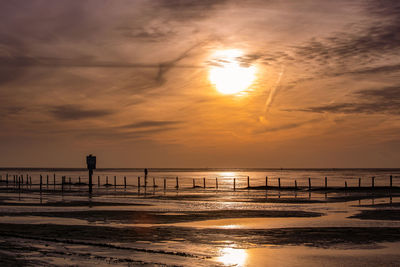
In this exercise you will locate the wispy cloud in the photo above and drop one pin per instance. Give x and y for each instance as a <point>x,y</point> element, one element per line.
<point>372,101</point>
<point>73,112</point>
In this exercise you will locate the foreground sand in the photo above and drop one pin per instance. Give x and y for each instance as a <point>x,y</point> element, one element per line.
<point>200,228</point>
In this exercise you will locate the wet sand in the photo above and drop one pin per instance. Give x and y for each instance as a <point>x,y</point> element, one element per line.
<point>200,228</point>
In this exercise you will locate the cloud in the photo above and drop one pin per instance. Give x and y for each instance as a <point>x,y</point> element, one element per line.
<point>286,126</point>
<point>74,112</point>
<point>372,101</point>
<point>150,124</point>
<point>365,40</point>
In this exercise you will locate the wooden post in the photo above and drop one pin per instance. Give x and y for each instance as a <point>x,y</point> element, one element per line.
<point>326,182</point>
<point>98,180</point>
<point>177,182</point>
<point>234,184</point>
<point>19,182</point>
<point>154,182</point>
<point>295,184</point>
<point>248,182</point>
<point>106,180</point>
<point>373,181</point>
<point>79,180</point>
<point>165,183</point>
<point>7,179</point>
<point>54,179</point>
<point>115,181</point>
<point>40,183</point>
<point>279,183</point>
<point>62,183</point>
<point>204,182</point>
<point>138,182</point>
<point>309,183</point>
<point>22,179</point>
<point>391,181</point>
<point>345,184</point>
<point>124,181</point>
<point>47,180</point>
<point>216,182</point>
<point>194,183</point>
<point>266,182</point>
<point>145,182</point>
<point>359,182</point>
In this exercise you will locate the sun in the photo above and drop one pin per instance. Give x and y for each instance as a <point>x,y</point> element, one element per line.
<point>227,73</point>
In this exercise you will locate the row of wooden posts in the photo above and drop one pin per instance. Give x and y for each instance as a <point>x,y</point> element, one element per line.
<point>19,180</point>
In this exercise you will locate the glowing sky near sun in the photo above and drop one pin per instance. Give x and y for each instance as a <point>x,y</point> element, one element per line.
<point>221,83</point>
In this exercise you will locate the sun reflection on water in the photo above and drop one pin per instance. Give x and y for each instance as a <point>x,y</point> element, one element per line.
<point>233,257</point>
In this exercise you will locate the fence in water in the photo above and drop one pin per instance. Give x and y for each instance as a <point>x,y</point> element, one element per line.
<point>55,182</point>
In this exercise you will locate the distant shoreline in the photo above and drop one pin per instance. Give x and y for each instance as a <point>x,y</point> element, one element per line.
<point>196,169</point>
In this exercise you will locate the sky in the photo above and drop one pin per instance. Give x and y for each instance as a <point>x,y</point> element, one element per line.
<point>129,81</point>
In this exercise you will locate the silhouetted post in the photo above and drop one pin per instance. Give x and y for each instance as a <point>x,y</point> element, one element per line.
<point>91,165</point>
<point>79,180</point>
<point>40,183</point>
<point>295,184</point>
<point>106,180</point>
<point>22,179</point>
<point>165,183</point>
<point>309,183</point>
<point>14,179</point>
<point>98,181</point>
<point>359,182</point>
<point>47,180</point>
<point>194,183</point>
<point>154,183</point>
<point>54,179</point>
<point>326,182</point>
<point>177,182</point>
<point>19,182</point>
<point>234,184</point>
<point>62,183</point>
<point>216,182</point>
<point>115,181</point>
<point>7,179</point>
<point>145,182</point>
<point>204,182</point>
<point>138,182</point>
<point>266,182</point>
<point>391,181</point>
<point>248,182</point>
<point>124,181</point>
<point>345,184</point>
<point>279,183</point>
<point>373,181</point>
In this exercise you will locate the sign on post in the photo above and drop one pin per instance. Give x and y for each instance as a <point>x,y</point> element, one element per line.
<point>91,165</point>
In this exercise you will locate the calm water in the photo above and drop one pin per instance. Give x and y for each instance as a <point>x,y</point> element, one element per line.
<point>336,177</point>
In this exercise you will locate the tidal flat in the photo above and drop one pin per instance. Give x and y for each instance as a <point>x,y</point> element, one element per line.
<point>200,227</point>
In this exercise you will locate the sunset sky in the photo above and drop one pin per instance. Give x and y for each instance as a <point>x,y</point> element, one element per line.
<point>132,82</point>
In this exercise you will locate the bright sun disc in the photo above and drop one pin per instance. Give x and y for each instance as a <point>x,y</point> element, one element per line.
<point>227,74</point>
